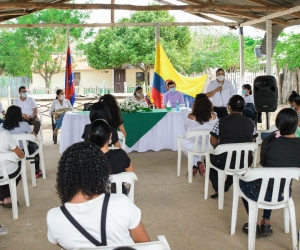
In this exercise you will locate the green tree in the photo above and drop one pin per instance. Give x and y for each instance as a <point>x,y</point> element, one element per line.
<point>118,46</point>
<point>211,49</point>
<point>41,50</point>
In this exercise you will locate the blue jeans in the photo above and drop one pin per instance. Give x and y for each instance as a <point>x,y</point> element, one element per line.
<point>252,192</point>
<point>59,121</point>
<point>1,120</point>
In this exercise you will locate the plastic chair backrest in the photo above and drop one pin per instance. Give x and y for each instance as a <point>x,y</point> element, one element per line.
<point>122,138</point>
<point>7,156</point>
<point>128,177</point>
<point>26,137</point>
<point>272,173</point>
<point>199,135</point>
<point>245,147</point>
<point>87,106</point>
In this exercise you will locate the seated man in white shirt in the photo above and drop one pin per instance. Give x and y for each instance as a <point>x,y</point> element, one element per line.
<point>2,112</point>
<point>29,109</point>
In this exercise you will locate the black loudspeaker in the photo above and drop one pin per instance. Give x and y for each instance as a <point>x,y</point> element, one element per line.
<point>265,93</point>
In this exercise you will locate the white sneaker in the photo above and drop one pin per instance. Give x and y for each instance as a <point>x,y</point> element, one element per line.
<point>3,230</point>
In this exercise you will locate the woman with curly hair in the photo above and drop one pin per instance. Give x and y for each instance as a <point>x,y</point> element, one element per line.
<point>116,115</point>
<point>82,185</point>
<point>14,124</point>
<point>202,117</point>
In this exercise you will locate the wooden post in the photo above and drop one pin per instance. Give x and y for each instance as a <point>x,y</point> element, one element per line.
<point>242,59</point>
<point>269,46</point>
<point>112,13</point>
<point>157,33</point>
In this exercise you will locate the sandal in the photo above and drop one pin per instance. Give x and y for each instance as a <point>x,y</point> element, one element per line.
<point>38,174</point>
<point>201,168</point>
<point>195,170</point>
<point>214,196</point>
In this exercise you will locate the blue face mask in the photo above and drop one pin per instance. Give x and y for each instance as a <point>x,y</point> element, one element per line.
<point>173,90</point>
<point>292,108</point>
<point>24,94</point>
<point>244,92</point>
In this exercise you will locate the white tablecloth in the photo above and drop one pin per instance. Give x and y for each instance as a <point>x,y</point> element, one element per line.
<point>162,136</point>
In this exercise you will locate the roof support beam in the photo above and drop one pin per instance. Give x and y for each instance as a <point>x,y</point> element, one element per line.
<point>91,25</point>
<point>198,7</point>
<point>254,16</point>
<point>263,3</point>
<point>271,16</point>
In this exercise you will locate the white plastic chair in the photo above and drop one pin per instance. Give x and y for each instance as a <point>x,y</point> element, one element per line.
<point>205,146</point>
<point>30,137</point>
<point>287,203</point>
<point>229,149</point>
<point>11,156</point>
<point>128,177</point>
<point>160,244</point>
<point>123,139</point>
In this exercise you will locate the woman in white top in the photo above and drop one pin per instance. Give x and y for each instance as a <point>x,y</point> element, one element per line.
<point>14,124</point>
<point>202,117</point>
<point>7,144</point>
<point>249,110</point>
<point>138,96</point>
<point>83,185</point>
<point>58,109</point>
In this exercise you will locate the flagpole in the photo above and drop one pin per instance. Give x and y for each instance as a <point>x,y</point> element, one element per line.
<point>157,34</point>
<point>68,35</point>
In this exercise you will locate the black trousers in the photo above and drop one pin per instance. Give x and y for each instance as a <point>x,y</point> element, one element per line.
<point>4,190</point>
<point>221,111</point>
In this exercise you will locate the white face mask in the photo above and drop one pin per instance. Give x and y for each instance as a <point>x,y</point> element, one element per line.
<point>220,78</point>
<point>138,94</point>
<point>62,97</point>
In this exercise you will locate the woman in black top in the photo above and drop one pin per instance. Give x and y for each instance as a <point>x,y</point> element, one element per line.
<point>116,115</point>
<point>234,128</point>
<point>100,110</point>
<point>100,134</point>
<point>280,149</point>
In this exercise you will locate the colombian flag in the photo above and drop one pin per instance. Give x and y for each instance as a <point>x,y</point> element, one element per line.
<point>69,79</point>
<point>163,70</point>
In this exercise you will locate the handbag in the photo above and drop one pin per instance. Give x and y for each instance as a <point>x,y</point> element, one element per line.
<point>61,111</point>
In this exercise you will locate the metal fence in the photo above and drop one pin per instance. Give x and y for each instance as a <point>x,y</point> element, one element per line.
<point>14,83</point>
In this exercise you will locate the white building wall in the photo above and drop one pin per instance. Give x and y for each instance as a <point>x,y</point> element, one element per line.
<point>89,78</point>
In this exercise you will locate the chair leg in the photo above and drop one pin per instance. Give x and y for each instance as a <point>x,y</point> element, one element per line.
<point>293,222</point>
<point>252,225</point>
<point>24,182</point>
<point>235,204</point>
<point>42,161</point>
<point>221,184</point>
<point>190,167</point>
<point>32,171</point>
<point>178,160</point>
<point>286,218</point>
<point>14,199</point>
<point>206,183</point>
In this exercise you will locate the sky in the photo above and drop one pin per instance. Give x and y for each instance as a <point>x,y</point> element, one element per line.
<point>103,16</point>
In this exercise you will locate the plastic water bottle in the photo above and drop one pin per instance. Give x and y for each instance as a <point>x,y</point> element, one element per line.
<point>177,105</point>
<point>187,102</point>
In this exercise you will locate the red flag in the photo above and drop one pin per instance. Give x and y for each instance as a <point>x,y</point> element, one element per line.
<point>69,79</point>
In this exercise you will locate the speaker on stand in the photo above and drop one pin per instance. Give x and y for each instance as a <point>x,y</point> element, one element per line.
<point>265,93</point>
